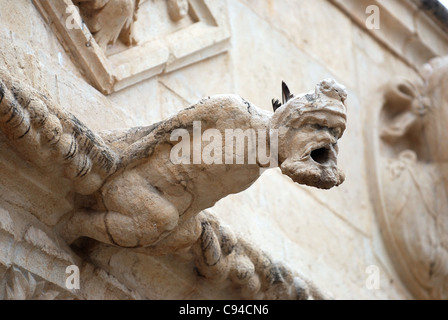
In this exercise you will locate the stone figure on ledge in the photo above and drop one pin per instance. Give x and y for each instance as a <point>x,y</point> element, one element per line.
<point>110,20</point>
<point>130,192</point>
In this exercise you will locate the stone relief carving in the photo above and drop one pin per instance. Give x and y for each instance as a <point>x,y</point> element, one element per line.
<point>117,43</point>
<point>177,9</point>
<point>409,151</point>
<point>33,265</point>
<point>109,20</point>
<point>17,284</point>
<point>131,195</point>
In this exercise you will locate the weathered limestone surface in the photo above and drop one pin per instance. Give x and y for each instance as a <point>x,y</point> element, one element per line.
<point>245,47</point>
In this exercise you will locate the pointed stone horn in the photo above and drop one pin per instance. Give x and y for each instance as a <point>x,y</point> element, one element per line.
<point>286,94</point>
<point>276,104</point>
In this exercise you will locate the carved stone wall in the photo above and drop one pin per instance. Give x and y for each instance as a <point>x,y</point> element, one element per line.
<point>351,242</point>
<point>406,139</point>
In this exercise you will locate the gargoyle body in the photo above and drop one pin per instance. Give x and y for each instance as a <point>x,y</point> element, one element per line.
<point>151,202</point>
<point>141,198</point>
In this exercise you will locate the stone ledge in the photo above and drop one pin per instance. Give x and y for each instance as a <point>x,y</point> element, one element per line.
<point>404,29</point>
<point>435,9</point>
<point>35,257</point>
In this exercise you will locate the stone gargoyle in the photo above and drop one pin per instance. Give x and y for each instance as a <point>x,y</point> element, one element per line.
<point>133,196</point>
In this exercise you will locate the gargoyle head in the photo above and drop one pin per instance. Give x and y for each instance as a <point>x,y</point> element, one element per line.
<point>309,127</point>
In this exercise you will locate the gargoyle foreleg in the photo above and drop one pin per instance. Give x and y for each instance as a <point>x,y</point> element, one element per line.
<point>137,214</point>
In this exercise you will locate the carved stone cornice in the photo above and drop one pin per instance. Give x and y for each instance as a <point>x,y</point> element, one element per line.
<point>205,34</point>
<point>33,267</point>
<point>404,29</point>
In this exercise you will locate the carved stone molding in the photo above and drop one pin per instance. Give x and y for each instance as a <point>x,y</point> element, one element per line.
<point>116,55</point>
<point>33,266</point>
<point>19,284</point>
<point>409,178</point>
<point>222,256</point>
<point>403,28</point>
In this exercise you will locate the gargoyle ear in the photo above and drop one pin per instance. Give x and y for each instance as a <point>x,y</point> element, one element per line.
<point>286,95</point>
<point>276,104</point>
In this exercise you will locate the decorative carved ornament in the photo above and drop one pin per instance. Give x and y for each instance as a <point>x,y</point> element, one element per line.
<point>130,194</point>
<point>19,284</point>
<point>409,178</point>
<point>405,34</point>
<point>33,266</point>
<point>117,43</point>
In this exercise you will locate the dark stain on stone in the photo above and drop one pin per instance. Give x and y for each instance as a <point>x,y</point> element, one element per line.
<point>207,243</point>
<point>72,150</point>
<point>2,92</point>
<point>436,9</point>
<point>13,109</point>
<point>226,244</point>
<point>85,168</point>
<point>275,275</point>
<point>309,97</point>
<point>249,106</point>
<point>25,133</point>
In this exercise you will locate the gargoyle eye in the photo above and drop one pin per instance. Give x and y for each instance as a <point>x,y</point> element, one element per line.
<point>336,132</point>
<point>318,127</point>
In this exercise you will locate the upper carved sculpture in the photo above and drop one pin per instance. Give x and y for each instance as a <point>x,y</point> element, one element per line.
<point>110,20</point>
<point>134,196</point>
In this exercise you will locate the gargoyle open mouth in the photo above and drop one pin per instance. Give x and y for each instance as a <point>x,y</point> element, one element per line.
<point>317,169</point>
<point>309,127</point>
<point>322,155</point>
